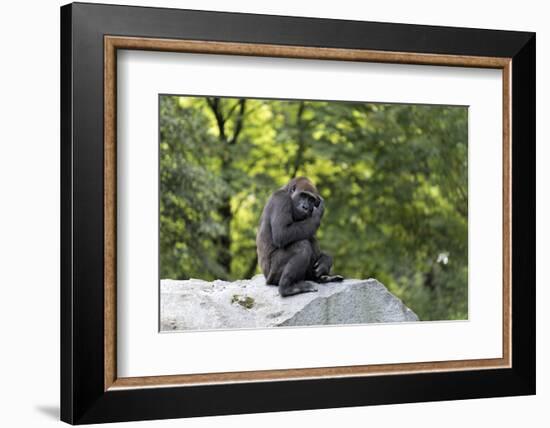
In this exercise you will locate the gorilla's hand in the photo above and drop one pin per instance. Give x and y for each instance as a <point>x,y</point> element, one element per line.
<point>319,210</point>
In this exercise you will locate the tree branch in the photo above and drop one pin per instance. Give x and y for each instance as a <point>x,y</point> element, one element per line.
<point>214,104</point>
<point>239,122</point>
<point>301,140</point>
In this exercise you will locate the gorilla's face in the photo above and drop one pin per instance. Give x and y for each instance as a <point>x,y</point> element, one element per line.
<point>304,203</point>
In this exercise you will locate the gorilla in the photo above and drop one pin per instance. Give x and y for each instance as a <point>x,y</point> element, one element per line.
<point>288,251</point>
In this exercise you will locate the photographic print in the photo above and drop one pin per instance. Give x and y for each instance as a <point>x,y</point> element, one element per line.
<point>229,208</point>
<point>279,213</point>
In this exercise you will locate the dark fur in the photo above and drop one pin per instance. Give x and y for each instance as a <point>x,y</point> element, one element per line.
<point>288,251</point>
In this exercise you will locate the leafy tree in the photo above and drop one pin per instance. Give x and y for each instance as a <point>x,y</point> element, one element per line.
<point>394,178</point>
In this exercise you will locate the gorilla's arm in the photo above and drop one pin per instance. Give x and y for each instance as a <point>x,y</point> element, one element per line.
<point>284,230</point>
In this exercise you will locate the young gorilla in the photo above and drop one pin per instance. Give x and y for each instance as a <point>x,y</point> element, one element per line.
<point>288,251</point>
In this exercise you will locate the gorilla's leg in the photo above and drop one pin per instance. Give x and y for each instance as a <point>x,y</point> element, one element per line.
<point>294,271</point>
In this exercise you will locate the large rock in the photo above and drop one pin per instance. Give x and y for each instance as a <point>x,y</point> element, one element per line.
<point>198,305</point>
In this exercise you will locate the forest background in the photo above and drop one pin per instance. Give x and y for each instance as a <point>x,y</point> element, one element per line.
<point>394,178</point>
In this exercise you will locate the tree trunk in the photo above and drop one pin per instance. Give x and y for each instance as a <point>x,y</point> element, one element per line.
<point>224,252</point>
<point>224,256</point>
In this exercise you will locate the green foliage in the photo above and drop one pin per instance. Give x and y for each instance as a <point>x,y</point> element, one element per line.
<point>394,178</point>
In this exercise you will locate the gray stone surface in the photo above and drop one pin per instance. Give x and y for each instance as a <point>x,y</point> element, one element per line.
<point>200,305</point>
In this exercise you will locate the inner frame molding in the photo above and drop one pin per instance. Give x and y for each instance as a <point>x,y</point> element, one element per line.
<point>113,43</point>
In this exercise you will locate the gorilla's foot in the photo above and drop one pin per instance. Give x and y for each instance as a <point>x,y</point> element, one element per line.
<point>323,279</point>
<point>296,288</point>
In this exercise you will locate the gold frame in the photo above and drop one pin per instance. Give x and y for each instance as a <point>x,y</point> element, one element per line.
<point>112,43</point>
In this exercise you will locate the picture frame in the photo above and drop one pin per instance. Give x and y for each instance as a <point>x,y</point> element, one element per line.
<point>91,391</point>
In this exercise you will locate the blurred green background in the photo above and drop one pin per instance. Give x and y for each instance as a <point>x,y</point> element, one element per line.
<point>394,178</point>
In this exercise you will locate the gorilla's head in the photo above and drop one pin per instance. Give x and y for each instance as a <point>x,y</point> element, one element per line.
<point>305,197</point>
